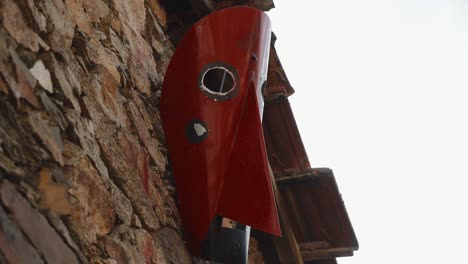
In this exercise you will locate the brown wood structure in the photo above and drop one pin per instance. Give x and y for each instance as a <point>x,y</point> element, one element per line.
<point>315,225</point>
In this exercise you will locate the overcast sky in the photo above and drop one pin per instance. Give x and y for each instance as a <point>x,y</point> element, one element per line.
<point>381,98</point>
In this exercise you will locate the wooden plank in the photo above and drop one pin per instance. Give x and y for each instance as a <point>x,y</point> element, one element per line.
<point>286,246</point>
<point>322,261</point>
<point>326,253</point>
<point>317,212</point>
<point>303,178</point>
<point>282,138</point>
<point>309,246</point>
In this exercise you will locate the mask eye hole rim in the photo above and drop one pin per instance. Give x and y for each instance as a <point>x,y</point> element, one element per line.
<point>219,96</point>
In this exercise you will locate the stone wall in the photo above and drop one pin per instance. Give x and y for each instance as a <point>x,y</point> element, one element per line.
<point>83,167</point>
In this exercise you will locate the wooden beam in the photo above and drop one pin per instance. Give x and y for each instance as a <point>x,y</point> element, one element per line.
<point>300,176</point>
<point>310,246</point>
<point>286,246</point>
<point>310,255</point>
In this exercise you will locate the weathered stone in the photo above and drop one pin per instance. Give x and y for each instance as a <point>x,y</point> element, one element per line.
<point>90,217</point>
<point>21,68</point>
<point>58,224</point>
<point>8,73</point>
<point>13,244</point>
<point>66,81</point>
<point>84,130</point>
<point>86,12</point>
<point>152,252</point>
<point>118,151</point>
<point>41,20</point>
<point>122,246</point>
<point>171,209</point>
<point>8,165</point>
<point>136,221</point>
<point>5,41</point>
<point>137,160</point>
<point>49,134</point>
<point>122,205</point>
<point>150,142</point>
<point>80,17</point>
<point>14,23</point>
<point>106,92</point>
<point>53,195</point>
<point>3,87</point>
<point>154,29</point>
<point>172,246</point>
<point>24,89</point>
<point>41,234</point>
<point>157,198</point>
<point>60,27</point>
<point>40,72</point>
<point>142,108</point>
<point>142,66</point>
<point>18,143</point>
<point>99,260</point>
<point>159,42</point>
<point>24,85</point>
<point>71,71</point>
<point>114,249</point>
<point>131,13</point>
<point>98,54</point>
<point>158,11</point>
<point>96,9</point>
<point>91,107</point>
<point>157,46</point>
<point>53,111</point>
<point>119,47</point>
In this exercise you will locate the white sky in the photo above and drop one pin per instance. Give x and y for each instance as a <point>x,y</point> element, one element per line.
<point>381,98</point>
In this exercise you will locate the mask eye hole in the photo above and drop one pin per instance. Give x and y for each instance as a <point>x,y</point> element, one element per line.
<point>218,81</point>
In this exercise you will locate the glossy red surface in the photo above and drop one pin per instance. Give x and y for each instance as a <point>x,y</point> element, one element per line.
<point>227,173</point>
